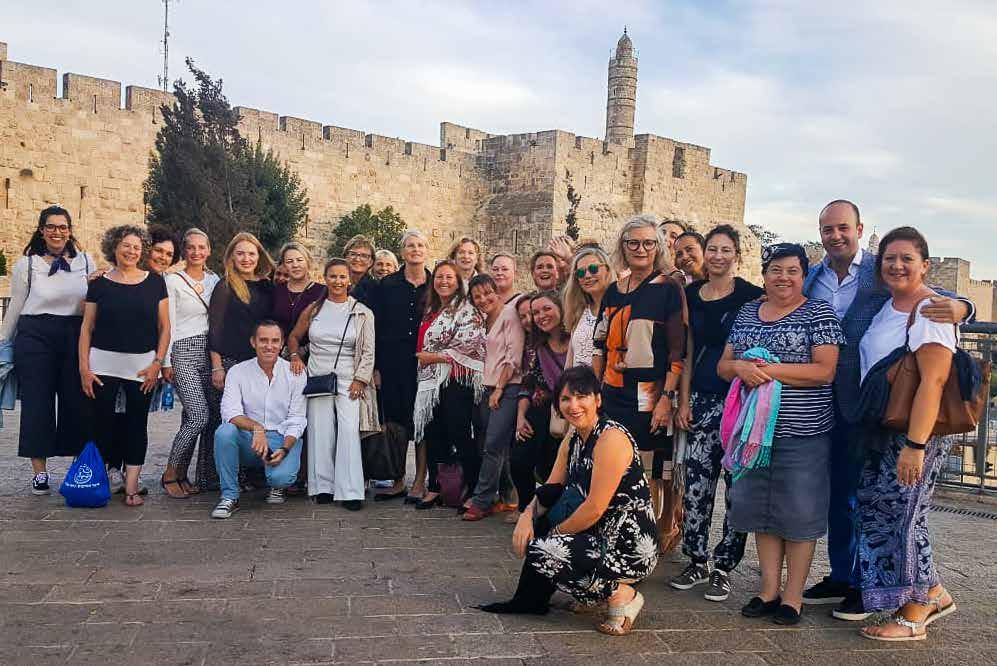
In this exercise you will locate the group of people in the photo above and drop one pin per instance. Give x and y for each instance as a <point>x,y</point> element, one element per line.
<point>599,410</point>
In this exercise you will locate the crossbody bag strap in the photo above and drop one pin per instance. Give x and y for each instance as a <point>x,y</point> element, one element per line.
<point>343,338</point>
<point>199,297</point>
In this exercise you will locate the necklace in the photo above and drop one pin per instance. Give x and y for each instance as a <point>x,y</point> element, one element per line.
<point>712,294</point>
<point>294,296</point>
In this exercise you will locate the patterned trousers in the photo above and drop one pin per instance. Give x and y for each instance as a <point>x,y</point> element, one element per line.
<point>894,548</point>
<point>192,380</point>
<point>703,455</point>
<point>207,474</point>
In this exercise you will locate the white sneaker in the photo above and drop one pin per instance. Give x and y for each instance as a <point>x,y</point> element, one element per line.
<point>225,508</point>
<point>275,496</point>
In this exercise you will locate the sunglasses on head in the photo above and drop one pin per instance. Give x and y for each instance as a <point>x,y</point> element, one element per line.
<point>592,269</point>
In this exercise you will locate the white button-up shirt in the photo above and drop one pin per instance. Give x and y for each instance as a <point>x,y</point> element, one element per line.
<point>841,294</point>
<point>278,404</point>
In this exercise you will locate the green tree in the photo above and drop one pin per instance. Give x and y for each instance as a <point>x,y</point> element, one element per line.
<point>384,228</point>
<point>204,174</point>
<point>571,219</point>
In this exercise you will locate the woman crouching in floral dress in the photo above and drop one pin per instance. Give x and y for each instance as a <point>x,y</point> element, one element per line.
<point>590,531</point>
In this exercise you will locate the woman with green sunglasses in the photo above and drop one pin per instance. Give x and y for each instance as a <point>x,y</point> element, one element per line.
<point>590,276</point>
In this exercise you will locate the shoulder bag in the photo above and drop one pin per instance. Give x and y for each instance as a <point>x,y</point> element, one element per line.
<point>964,396</point>
<point>321,385</point>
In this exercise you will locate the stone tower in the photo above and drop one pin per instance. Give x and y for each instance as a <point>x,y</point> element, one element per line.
<point>621,99</point>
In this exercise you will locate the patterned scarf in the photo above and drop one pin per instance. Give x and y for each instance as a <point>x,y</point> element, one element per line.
<point>748,424</point>
<point>460,336</point>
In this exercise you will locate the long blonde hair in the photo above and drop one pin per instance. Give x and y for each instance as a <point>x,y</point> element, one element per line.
<point>575,299</point>
<point>264,265</point>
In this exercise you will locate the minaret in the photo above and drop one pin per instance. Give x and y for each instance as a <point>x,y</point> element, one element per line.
<point>874,242</point>
<point>621,100</point>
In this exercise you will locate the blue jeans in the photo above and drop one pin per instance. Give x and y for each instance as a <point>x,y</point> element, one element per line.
<point>234,447</point>
<point>842,528</point>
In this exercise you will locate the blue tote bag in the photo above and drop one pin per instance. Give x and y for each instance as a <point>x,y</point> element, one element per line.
<point>86,483</point>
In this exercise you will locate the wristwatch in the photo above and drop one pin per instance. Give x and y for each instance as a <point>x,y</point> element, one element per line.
<point>671,394</point>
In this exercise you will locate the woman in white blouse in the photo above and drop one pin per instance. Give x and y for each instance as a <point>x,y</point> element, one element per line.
<point>590,276</point>
<point>896,563</point>
<point>47,288</point>
<point>186,365</point>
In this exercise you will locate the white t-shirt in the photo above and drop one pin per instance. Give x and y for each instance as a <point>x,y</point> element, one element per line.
<point>888,330</point>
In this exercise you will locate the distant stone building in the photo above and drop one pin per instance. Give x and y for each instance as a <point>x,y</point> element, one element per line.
<point>87,153</point>
<point>952,273</point>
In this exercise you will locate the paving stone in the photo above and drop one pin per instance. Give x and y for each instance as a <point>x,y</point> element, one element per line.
<point>299,583</point>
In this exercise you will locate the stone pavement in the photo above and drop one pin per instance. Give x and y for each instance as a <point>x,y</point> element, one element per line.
<point>301,583</point>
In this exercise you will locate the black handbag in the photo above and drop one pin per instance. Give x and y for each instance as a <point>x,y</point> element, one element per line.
<point>383,453</point>
<point>328,384</point>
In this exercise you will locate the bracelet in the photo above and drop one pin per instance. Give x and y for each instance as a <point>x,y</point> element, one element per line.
<point>287,451</point>
<point>213,370</point>
<point>157,360</point>
<point>293,355</point>
<point>914,445</point>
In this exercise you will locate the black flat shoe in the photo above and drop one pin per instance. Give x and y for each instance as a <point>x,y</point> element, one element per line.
<point>412,499</point>
<point>758,608</point>
<point>429,504</point>
<point>513,607</point>
<point>786,615</point>
<point>323,498</point>
<point>384,497</point>
<point>353,505</point>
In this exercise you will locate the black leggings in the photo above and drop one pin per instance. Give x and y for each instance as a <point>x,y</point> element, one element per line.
<point>451,429</point>
<point>533,458</point>
<point>122,437</point>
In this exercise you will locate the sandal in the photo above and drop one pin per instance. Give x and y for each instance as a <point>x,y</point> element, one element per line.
<point>620,619</point>
<point>939,612</point>
<point>916,629</point>
<point>189,487</point>
<point>134,499</point>
<point>163,483</point>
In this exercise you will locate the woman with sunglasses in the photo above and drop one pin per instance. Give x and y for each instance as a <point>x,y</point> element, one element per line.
<point>640,342</point>
<point>47,288</point>
<point>589,278</point>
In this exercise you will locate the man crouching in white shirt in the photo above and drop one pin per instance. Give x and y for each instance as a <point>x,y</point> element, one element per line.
<point>263,417</point>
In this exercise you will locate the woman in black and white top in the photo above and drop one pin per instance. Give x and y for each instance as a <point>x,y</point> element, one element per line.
<point>47,287</point>
<point>186,365</point>
<point>123,339</point>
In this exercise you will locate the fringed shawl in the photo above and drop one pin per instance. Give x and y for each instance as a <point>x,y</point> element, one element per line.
<point>748,423</point>
<point>460,336</point>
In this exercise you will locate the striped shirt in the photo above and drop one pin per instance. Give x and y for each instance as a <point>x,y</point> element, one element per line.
<point>805,411</point>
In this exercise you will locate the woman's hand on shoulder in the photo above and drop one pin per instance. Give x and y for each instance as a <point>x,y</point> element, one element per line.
<point>100,272</point>
<point>944,310</point>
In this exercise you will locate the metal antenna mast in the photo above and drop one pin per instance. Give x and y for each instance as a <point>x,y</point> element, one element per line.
<point>164,80</point>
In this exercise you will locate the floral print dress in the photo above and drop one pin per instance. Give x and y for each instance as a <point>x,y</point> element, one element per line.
<point>621,547</point>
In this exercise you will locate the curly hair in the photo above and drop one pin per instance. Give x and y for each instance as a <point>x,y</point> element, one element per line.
<point>114,236</point>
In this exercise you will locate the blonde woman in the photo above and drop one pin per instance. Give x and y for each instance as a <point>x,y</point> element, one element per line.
<point>241,299</point>
<point>186,364</point>
<point>589,278</point>
<point>466,253</point>
<point>294,296</point>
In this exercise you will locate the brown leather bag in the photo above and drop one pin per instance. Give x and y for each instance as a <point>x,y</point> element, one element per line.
<point>955,415</point>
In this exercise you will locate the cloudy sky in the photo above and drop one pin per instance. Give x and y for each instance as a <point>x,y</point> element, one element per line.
<point>889,103</point>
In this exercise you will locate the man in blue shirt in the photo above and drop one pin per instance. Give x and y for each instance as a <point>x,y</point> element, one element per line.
<point>846,278</point>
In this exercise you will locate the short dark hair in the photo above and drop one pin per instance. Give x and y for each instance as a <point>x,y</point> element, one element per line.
<point>695,235</point>
<point>541,253</point>
<point>267,322</point>
<point>901,234</point>
<point>725,230</point>
<point>846,202</point>
<point>114,236</point>
<point>160,234</point>
<point>480,280</point>
<point>580,380</point>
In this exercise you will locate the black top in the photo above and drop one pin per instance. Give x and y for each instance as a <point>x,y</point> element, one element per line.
<point>398,309</point>
<point>127,314</point>
<point>363,290</point>
<point>231,322</point>
<point>711,322</point>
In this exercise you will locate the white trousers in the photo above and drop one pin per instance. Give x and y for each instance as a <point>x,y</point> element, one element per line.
<point>334,462</point>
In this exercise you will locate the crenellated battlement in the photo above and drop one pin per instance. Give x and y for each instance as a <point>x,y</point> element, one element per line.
<point>87,149</point>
